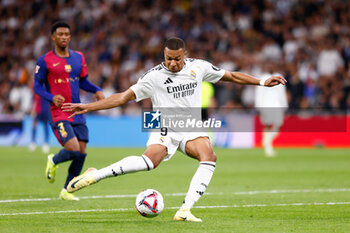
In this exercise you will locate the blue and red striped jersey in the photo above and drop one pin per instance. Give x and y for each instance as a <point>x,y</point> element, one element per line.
<point>61,75</point>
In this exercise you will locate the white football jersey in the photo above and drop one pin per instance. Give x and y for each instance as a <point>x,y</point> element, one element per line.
<point>271,97</point>
<point>176,90</point>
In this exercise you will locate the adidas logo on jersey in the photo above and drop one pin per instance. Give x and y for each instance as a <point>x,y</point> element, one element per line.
<point>168,81</point>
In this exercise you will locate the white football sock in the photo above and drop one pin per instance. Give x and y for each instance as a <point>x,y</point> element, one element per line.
<point>199,183</point>
<point>127,165</point>
<point>274,132</point>
<point>269,136</point>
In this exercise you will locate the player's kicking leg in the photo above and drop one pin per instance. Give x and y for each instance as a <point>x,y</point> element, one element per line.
<point>127,165</point>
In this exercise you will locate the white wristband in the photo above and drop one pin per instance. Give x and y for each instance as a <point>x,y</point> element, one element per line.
<point>262,82</point>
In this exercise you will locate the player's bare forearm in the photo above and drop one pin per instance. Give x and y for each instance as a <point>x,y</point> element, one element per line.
<point>113,101</point>
<point>245,79</point>
<point>107,103</point>
<point>240,78</point>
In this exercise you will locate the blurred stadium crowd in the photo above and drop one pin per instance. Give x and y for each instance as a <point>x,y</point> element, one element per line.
<point>307,41</point>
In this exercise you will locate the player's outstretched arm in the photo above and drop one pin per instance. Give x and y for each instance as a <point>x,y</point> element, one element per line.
<point>107,103</point>
<point>241,78</point>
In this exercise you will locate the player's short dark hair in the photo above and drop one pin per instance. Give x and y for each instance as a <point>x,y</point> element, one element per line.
<point>59,24</point>
<point>175,43</point>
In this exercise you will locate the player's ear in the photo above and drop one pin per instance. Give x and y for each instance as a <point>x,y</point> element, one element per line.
<point>164,53</point>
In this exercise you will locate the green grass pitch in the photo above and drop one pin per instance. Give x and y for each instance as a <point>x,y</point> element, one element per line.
<point>301,190</point>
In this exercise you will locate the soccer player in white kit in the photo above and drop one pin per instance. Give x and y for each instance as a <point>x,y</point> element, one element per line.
<point>165,85</point>
<point>271,104</point>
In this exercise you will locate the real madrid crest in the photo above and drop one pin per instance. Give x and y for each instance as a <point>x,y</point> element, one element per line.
<point>67,68</point>
<point>193,74</point>
<point>161,139</point>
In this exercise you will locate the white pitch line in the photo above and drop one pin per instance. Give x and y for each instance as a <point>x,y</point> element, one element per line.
<point>183,194</point>
<point>294,191</point>
<point>66,211</point>
<point>198,207</point>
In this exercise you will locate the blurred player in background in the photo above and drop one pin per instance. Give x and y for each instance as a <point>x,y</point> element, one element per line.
<point>159,84</point>
<point>40,113</point>
<point>208,103</point>
<point>64,72</point>
<point>208,99</point>
<point>271,104</point>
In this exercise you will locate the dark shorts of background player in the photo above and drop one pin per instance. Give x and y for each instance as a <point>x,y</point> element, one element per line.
<point>65,130</point>
<point>43,117</point>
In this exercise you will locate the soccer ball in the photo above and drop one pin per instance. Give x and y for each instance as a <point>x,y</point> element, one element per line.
<point>149,203</point>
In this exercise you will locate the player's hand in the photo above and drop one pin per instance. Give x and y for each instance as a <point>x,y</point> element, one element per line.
<point>33,113</point>
<point>77,109</point>
<point>99,95</point>
<point>58,100</point>
<point>275,80</point>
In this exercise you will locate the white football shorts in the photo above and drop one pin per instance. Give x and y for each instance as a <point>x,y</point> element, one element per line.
<point>272,116</point>
<point>174,141</point>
